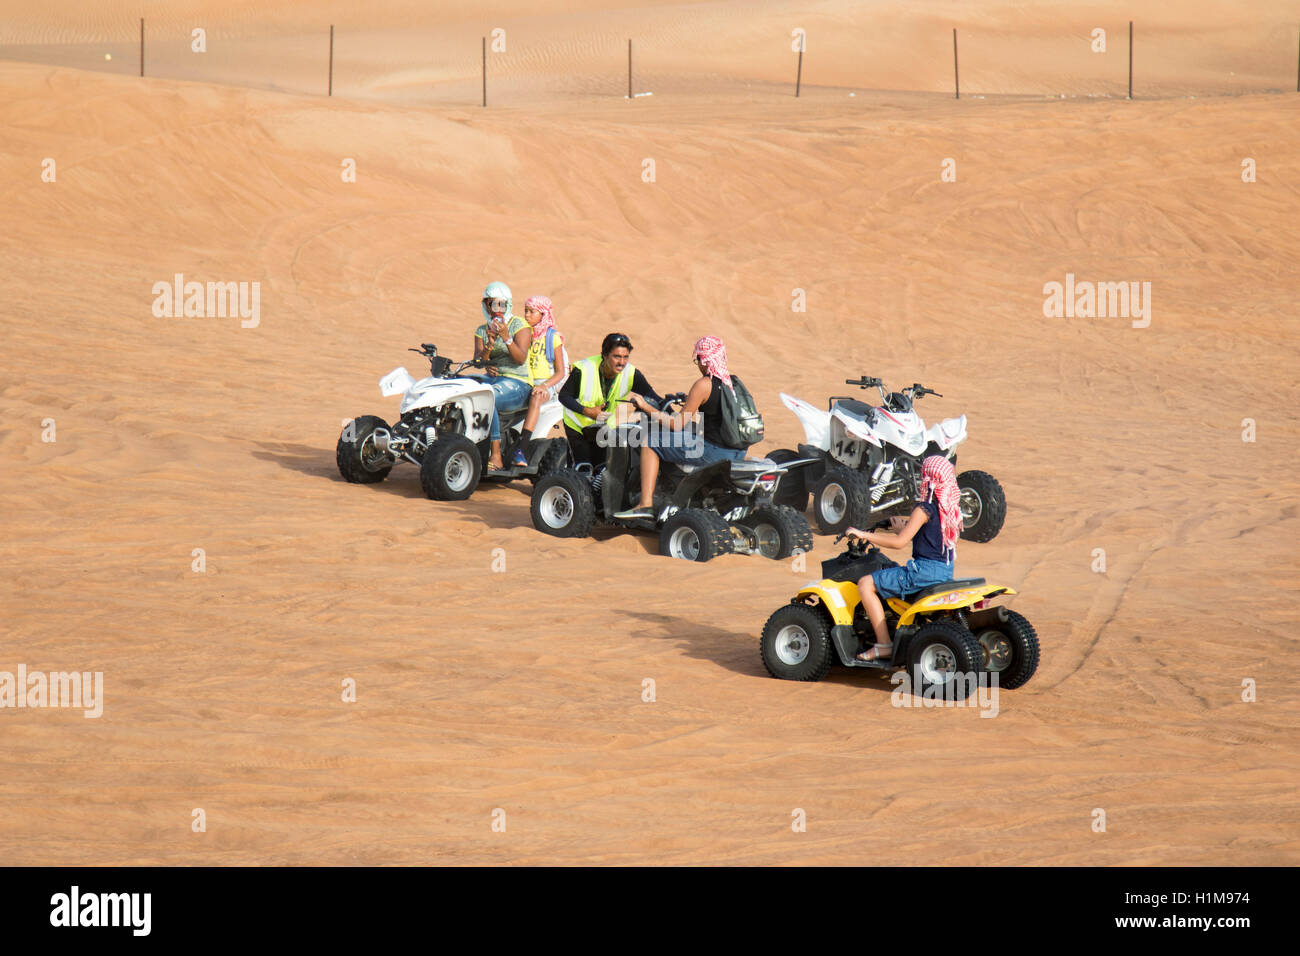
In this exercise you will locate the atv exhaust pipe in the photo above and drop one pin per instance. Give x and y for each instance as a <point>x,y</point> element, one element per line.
<point>888,504</point>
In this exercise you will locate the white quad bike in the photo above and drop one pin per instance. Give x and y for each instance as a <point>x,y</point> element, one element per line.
<point>870,462</point>
<point>443,430</point>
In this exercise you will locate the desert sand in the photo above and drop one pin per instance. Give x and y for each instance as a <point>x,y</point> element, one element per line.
<point>522,690</point>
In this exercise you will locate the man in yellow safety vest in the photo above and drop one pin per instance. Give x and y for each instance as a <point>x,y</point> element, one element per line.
<point>594,388</point>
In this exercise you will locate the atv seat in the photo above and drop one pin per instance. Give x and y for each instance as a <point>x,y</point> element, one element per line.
<point>744,466</point>
<point>940,588</point>
<point>855,409</point>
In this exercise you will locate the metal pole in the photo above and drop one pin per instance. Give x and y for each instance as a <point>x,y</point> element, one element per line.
<point>485,71</point>
<point>331,92</point>
<point>629,68</point>
<point>798,77</point>
<point>956,80</point>
<point>142,46</point>
<point>1130,59</point>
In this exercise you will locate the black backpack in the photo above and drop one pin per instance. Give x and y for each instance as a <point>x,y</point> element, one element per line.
<point>741,424</point>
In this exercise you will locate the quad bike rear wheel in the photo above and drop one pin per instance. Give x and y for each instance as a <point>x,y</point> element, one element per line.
<point>841,499</point>
<point>359,461</point>
<point>695,534</point>
<point>562,505</point>
<point>943,653</point>
<point>450,469</point>
<point>1010,649</point>
<point>983,505</point>
<point>796,644</point>
<point>778,531</point>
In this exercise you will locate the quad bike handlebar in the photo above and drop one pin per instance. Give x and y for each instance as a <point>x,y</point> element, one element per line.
<point>440,366</point>
<point>911,393</point>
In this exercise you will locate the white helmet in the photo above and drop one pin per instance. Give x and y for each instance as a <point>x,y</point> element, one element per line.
<point>495,290</point>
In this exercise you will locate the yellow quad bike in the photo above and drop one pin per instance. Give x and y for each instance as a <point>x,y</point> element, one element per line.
<point>939,633</point>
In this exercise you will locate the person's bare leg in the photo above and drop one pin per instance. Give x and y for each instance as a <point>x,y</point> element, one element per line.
<point>535,404</point>
<point>494,457</point>
<point>649,475</point>
<point>875,614</point>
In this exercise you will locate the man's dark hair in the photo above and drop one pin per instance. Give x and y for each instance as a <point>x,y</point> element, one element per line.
<point>613,341</point>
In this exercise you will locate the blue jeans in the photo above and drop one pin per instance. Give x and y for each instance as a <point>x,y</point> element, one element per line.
<point>904,579</point>
<point>511,396</point>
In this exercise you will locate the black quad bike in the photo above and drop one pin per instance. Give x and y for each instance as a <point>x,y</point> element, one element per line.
<point>701,511</point>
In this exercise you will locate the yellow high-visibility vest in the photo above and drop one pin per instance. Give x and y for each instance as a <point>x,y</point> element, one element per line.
<point>589,391</point>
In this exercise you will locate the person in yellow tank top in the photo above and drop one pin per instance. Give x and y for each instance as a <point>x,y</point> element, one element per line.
<point>548,365</point>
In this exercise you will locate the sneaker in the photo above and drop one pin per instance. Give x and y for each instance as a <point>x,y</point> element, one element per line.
<point>633,513</point>
<point>519,460</point>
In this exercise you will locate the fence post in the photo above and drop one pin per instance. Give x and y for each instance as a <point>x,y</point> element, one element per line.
<point>956,80</point>
<point>1130,59</point>
<point>331,89</point>
<point>798,77</point>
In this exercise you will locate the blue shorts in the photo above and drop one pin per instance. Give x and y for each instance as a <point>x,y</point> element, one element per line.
<point>691,449</point>
<point>904,579</point>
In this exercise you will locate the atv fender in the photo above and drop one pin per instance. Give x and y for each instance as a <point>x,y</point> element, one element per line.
<point>956,599</point>
<point>697,480</point>
<point>838,597</point>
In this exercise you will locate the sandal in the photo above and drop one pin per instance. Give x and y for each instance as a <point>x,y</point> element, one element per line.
<point>876,652</point>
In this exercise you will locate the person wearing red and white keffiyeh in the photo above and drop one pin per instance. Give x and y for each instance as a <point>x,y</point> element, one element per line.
<point>670,439</point>
<point>548,375</point>
<point>932,528</point>
<point>712,355</point>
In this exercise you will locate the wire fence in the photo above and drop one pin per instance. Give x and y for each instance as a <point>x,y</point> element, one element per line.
<point>411,67</point>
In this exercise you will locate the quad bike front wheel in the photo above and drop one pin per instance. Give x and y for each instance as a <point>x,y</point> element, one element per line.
<point>778,531</point>
<point>1010,649</point>
<point>694,534</point>
<point>359,459</point>
<point>555,458</point>
<point>796,644</point>
<point>944,653</point>
<point>983,505</point>
<point>450,469</point>
<point>562,505</point>
<point>841,499</point>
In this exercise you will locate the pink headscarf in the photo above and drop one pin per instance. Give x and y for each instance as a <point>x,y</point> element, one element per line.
<point>543,305</point>
<point>714,355</point>
<point>939,481</point>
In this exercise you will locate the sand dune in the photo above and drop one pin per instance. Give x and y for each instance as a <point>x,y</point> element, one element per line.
<point>523,690</point>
